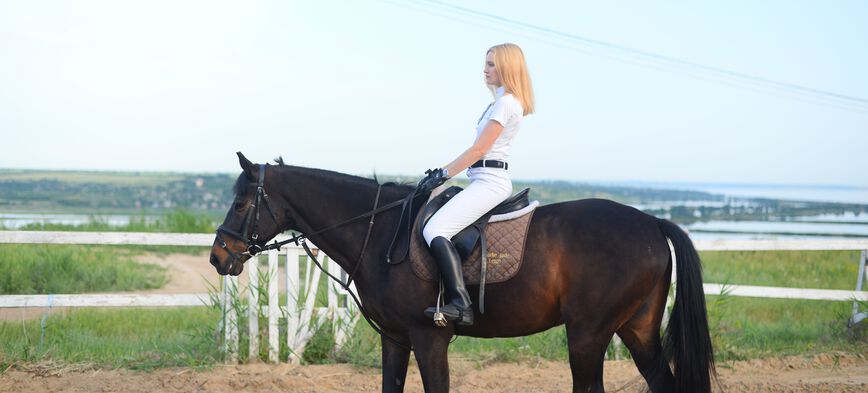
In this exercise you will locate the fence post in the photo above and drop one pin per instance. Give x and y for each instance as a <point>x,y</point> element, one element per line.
<point>273,308</point>
<point>292,292</point>
<point>253,273</point>
<point>859,316</point>
<point>343,317</point>
<point>230,318</point>
<point>297,338</point>
<point>670,300</point>
<point>335,270</point>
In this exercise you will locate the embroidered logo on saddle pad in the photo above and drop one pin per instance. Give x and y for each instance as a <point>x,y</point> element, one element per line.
<point>505,250</point>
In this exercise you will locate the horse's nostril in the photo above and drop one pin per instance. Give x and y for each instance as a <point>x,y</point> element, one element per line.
<point>214,261</point>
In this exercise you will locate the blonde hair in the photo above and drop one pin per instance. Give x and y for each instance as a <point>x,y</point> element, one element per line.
<point>512,70</point>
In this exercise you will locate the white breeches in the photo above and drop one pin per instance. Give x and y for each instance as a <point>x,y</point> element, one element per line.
<point>488,187</point>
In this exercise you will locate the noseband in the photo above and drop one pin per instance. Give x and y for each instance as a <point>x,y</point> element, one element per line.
<point>252,217</point>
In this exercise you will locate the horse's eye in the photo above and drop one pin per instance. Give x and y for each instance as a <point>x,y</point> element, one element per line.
<point>239,206</point>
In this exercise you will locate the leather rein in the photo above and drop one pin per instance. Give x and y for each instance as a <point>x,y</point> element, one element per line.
<point>300,239</point>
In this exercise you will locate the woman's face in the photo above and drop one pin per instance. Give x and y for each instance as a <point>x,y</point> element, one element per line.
<point>491,75</point>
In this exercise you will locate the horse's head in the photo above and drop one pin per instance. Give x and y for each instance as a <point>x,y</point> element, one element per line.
<point>250,222</point>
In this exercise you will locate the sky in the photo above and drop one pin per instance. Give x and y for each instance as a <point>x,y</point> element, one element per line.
<point>771,92</point>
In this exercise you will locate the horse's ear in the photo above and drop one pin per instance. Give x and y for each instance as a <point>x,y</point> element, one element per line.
<point>246,165</point>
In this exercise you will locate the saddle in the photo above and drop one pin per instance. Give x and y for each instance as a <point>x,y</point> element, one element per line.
<point>466,240</point>
<point>496,239</point>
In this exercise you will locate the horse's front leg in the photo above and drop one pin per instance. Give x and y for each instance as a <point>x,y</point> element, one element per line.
<point>430,345</point>
<point>395,360</point>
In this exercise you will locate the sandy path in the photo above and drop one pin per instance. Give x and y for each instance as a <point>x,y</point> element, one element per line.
<point>188,273</point>
<point>822,373</point>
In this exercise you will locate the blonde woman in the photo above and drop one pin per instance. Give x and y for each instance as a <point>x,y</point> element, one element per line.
<point>507,76</point>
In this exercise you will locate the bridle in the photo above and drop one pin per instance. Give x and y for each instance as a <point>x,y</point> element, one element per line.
<point>253,216</point>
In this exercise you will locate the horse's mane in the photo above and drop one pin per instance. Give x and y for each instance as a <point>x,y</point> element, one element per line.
<point>396,184</point>
<point>242,183</point>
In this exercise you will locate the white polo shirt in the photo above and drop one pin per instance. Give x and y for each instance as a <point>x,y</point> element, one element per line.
<point>507,111</point>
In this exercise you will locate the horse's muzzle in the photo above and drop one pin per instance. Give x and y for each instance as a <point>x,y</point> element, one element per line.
<point>231,265</point>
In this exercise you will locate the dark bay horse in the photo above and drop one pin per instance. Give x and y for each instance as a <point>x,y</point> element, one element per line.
<point>597,266</point>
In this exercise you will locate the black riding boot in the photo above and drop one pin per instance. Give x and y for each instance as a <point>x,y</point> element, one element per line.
<point>449,262</point>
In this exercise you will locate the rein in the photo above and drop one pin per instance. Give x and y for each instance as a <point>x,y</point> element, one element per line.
<point>301,239</point>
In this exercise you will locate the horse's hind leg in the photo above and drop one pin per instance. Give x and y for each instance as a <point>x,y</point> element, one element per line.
<point>395,362</point>
<point>641,335</point>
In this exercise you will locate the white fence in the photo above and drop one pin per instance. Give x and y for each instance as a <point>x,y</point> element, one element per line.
<point>302,280</point>
<point>303,317</point>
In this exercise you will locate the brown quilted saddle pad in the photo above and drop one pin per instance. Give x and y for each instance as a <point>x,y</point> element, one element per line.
<point>505,242</point>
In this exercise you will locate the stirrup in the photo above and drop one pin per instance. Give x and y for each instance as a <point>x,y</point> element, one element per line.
<point>460,317</point>
<point>440,319</point>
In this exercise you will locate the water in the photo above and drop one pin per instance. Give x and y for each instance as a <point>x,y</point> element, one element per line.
<point>846,217</point>
<point>813,193</point>
<point>796,193</point>
<point>18,220</point>
<point>826,226</point>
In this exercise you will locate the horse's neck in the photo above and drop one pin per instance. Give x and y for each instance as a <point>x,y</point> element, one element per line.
<point>321,199</point>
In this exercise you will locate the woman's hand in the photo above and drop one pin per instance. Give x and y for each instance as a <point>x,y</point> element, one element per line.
<point>433,179</point>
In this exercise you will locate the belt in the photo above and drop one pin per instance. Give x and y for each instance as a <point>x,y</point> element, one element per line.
<point>490,164</point>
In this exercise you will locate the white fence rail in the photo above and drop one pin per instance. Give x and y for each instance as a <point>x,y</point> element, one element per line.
<point>104,300</point>
<point>303,317</point>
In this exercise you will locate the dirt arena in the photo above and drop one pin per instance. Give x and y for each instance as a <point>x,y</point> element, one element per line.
<point>822,373</point>
<point>819,373</point>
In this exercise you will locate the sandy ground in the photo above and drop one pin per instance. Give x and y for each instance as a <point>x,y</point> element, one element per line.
<point>188,274</point>
<point>823,373</point>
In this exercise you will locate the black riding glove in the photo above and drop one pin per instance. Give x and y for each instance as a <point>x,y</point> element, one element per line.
<point>433,179</point>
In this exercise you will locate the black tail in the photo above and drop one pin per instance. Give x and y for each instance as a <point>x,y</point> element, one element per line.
<point>686,341</point>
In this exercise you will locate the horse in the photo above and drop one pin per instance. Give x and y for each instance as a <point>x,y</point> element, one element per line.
<point>596,266</point>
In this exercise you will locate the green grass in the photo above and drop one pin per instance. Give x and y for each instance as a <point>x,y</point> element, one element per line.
<point>27,269</point>
<point>742,328</point>
<point>793,269</point>
<point>129,338</point>
<point>45,269</point>
<point>745,328</point>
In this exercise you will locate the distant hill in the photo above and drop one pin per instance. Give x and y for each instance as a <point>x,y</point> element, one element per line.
<point>46,191</point>
<point>94,192</point>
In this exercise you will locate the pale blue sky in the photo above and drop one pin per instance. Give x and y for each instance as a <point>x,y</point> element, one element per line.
<point>396,87</point>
